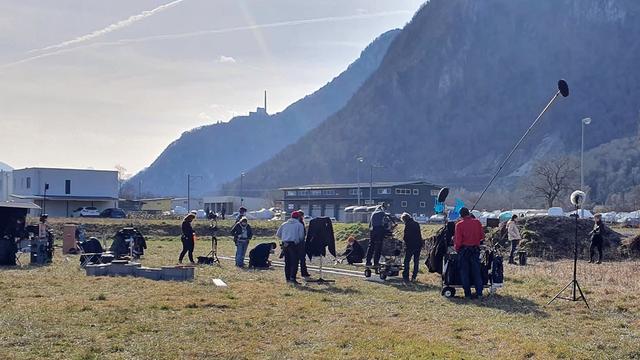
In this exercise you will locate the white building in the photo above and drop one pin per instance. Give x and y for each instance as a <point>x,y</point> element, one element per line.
<point>231,204</point>
<point>68,189</point>
<point>6,185</point>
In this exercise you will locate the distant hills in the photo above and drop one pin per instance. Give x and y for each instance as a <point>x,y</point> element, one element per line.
<point>464,80</point>
<point>220,152</point>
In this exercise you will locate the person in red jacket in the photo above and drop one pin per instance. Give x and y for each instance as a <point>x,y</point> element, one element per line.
<point>468,235</point>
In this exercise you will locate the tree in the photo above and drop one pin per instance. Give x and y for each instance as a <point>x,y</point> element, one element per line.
<point>553,178</point>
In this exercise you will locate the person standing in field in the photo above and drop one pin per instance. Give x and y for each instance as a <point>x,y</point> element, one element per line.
<point>513,233</point>
<point>291,233</point>
<point>597,239</point>
<point>377,231</point>
<point>413,245</point>
<point>188,238</point>
<point>304,272</point>
<point>242,233</point>
<point>468,235</point>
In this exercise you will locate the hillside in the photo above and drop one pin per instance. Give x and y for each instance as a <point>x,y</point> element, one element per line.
<point>220,152</point>
<point>464,80</point>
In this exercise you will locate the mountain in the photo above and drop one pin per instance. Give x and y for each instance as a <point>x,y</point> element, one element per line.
<point>463,81</point>
<point>5,167</point>
<point>220,152</point>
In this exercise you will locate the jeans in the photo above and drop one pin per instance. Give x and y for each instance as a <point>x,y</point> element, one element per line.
<point>514,246</point>
<point>375,245</point>
<point>187,246</point>
<point>291,261</point>
<point>469,263</point>
<point>241,250</point>
<point>415,254</point>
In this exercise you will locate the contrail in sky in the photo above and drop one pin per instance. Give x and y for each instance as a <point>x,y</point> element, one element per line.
<point>61,50</point>
<point>113,27</point>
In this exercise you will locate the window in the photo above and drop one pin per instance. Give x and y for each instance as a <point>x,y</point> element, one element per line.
<point>355,192</point>
<point>316,192</point>
<point>303,193</point>
<point>28,182</point>
<point>67,187</point>
<point>328,192</point>
<point>416,192</point>
<point>403,191</point>
<point>403,204</point>
<point>384,191</point>
<point>291,193</point>
<point>290,206</point>
<point>423,204</point>
<point>435,192</point>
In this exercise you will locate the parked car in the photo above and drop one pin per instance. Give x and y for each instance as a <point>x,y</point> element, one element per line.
<point>114,213</point>
<point>86,211</point>
<point>555,211</point>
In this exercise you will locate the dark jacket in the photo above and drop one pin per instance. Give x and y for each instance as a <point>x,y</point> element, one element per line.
<point>259,255</point>
<point>319,237</point>
<point>187,230</point>
<point>598,231</point>
<point>236,231</point>
<point>354,253</point>
<point>412,235</point>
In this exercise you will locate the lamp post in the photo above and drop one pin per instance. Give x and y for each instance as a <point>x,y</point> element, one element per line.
<point>360,160</point>
<point>44,199</point>
<point>585,121</point>
<point>371,182</point>
<point>189,178</point>
<point>241,188</point>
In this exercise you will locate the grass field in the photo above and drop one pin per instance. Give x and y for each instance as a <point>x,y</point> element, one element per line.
<point>57,312</point>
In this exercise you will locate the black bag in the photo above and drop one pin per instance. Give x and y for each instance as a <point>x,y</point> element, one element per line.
<point>497,270</point>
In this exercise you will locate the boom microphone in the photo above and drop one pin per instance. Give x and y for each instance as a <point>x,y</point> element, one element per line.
<point>563,89</point>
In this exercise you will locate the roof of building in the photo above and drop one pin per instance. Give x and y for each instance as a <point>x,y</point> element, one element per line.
<point>355,185</point>
<point>54,168</point>
<point>18,205</point>
<point>65,197</point>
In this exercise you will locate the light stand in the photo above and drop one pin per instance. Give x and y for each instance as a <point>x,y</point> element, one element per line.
<point>214,242</point>
<point>576,198</point>
<point>320,280</point>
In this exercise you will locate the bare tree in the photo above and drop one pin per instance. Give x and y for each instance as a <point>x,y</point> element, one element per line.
<point>552,179</point>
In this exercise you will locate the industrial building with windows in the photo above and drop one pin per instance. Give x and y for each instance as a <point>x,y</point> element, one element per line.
<point>414,197</point>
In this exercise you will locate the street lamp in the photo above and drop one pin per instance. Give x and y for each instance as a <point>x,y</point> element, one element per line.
<point>189,178</point>
<point>371,182</point>
<point>44,199</point>
<point>360,161</point>
<point>585,121</point>
<point>241,189</point>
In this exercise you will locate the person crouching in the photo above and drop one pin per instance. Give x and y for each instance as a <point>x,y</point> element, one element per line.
<point>242,233</point>
<point>259,255</point>
<point>291,233</point>
<point>468,235</point>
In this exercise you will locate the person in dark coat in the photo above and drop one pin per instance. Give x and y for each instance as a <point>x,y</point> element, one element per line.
<point>377,231</point>
<point>413,245</point>
<point>223,212</point>
<point>597,239</point>
<point>188,238</point>
<point>354,253</point>
<point>259,255</point>
<point>304,272</point>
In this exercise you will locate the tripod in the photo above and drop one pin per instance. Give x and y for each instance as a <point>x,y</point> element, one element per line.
<point>214,243</point>
<point>574,283</point>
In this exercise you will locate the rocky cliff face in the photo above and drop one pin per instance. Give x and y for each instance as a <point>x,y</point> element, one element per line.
<point>220,152</point>
<point>464,80</point>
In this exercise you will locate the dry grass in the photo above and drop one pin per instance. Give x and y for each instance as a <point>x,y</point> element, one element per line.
<point>57,312</point>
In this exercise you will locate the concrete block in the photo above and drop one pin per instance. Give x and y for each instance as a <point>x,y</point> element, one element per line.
<point>149,273</point>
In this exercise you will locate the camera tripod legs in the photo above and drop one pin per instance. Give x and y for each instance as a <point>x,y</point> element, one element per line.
<point>214,250</point>
<point>574,296</point>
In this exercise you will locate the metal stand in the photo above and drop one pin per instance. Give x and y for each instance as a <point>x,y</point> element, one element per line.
<point>320,280</point>
<point>574,283</point>
<point>214,250</point>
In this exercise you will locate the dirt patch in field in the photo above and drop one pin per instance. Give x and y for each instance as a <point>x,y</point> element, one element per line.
<point>552,237</point>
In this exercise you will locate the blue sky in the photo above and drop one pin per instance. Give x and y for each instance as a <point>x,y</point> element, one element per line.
<point>106,83</point>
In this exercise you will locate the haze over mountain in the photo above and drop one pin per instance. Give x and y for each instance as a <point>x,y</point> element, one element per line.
<point>220,152</point>
<point>463,81</point>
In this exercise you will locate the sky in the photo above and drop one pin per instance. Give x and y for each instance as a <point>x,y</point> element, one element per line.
<point>95,84</point>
